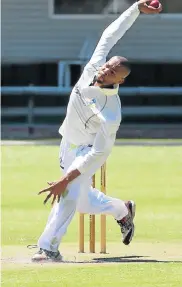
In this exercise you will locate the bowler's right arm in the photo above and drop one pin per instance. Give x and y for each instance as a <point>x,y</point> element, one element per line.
<point>113,33</point>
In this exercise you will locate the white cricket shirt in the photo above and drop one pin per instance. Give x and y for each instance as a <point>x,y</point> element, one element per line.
<point>93,113</point>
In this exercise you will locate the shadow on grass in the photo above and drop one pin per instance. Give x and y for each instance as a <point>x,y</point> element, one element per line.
<point>101,260</point>
<point>131,259</point>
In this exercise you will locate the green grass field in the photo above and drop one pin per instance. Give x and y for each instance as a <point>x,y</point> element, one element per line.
<point>152,176</point>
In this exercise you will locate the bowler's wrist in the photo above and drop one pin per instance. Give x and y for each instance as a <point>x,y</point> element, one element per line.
<point>137,6</point>
<point>70,176</point>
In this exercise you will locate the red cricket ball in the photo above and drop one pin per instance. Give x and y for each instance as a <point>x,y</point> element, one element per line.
<point>154,3</point>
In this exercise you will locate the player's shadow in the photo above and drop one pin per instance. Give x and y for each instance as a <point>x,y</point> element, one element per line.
<point>131,259</point>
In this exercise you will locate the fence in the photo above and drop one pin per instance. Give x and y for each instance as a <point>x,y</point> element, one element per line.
<point>31,111</point>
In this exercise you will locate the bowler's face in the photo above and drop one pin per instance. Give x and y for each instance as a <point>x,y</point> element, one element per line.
<point>112,73</point>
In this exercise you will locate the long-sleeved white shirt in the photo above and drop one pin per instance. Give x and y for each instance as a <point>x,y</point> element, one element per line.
<point>93,113</point>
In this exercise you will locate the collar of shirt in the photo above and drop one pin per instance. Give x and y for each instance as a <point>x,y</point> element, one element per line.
<point>110,92</point>
<point>107,91</point>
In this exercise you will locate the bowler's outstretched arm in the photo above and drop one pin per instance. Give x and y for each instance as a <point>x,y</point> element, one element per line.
<point>113,33</point>
<point>116,30</point>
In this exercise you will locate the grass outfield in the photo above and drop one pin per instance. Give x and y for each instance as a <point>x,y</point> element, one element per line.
<point>152,176</point>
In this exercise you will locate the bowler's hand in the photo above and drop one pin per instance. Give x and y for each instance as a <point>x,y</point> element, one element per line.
<point>55,189</point>
<point>147,9</point>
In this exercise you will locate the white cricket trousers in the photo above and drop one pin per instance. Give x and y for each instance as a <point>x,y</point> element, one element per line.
<point>80,196</point>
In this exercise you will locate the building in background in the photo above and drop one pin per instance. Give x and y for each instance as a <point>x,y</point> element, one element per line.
<point>46,43</point>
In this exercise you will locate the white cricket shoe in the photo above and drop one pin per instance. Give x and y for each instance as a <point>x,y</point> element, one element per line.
<point>46,255</point>
<point>126,224</point>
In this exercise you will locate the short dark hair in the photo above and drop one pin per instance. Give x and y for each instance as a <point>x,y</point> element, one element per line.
<point>122,62</point>
<point>127,65</point>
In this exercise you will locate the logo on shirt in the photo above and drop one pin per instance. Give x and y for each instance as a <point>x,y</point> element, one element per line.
<point>90,103</point>
<point>85,101</point>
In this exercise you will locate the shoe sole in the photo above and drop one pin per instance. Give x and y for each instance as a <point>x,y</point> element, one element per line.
<point>129,236</point>
<point>132,208</point>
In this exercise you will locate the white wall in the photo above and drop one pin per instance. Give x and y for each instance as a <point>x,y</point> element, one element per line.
<point>29,35</point>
